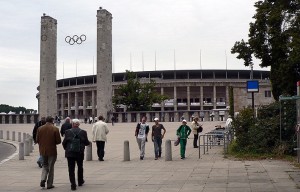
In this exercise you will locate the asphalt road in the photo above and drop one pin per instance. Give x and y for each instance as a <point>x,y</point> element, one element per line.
<point>6,150</point>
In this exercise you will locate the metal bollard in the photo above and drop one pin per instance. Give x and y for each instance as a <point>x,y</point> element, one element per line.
<point>1,134</point>
<point>19,137</point>
<point>26,147</point>
<point>168,149</point>
<point>126,151</point>
<point>7,135</point>
<point>89,152</point>
<point>24,137</point>
<point>13,136</point>
<point>21,151</point>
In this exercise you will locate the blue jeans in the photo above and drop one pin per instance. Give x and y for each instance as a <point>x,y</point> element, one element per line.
<point>157,146</point>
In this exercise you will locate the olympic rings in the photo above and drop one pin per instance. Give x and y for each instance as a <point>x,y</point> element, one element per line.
<point>75,39</point>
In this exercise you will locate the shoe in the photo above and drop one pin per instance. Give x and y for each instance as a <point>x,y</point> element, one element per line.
<point>39,164</point>
<point>51,187</point>
<point>73,187</point>
<point>141,157</point>
<point>196,147</point>
<point>42,184</point>
<point>155,158</point>
<point>101,159</point>
<point>80,184</point>
<point>182,157</point>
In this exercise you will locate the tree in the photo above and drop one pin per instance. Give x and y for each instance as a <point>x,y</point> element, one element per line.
<point>135,95</point>
<point>274,39</point>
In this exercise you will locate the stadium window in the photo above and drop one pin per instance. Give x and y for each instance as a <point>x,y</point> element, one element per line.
<point>268,94</point>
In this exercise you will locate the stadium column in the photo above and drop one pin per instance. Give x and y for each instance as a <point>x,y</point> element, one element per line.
<point>176,115</point>
<point>84,103</point>
<point>227,96</point>
<point>162,108</point>
<point>69,104</point>
<point>48,58</point>
<point>201,97</point>
<point>215,97</point>
<point>104,62</point>
<point>93,104</point>
<point>188,98</point>
<point>76,105</point>
<point>62,105</point>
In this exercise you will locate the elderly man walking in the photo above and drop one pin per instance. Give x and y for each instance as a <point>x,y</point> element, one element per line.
<point>47,138</point>
<point>99,131</point>
<point>74,144</point>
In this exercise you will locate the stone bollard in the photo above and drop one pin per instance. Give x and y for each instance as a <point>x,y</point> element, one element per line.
<point>30,144</point>
<point>19,137</point>
<point>26,147</point>
<point>13,136</point>
<point>24,137</point>
<point>126,151</point>
<point>89,152</point>
<point>168,149</point>
<point>1,134</point>
<point>21,151</point>
<point>7,135</point>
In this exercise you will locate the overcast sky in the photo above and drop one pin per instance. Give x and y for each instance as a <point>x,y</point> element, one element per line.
<point>178,32</point>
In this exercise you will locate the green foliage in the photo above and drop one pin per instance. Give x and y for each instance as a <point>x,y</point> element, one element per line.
<point>7,108</point>
<point>261,135</point>
<point>135,95</point>
<point>274,39</point>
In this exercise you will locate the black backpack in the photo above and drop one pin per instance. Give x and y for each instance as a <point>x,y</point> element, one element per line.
<point>75,143</point>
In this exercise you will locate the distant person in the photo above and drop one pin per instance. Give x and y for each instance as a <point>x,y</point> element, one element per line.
<point>183,133</point>
<point>67,125</point>
<point>75,153</point>
<point>157,137</point>
<point>228,122</point>
<point>85,120</point>
<point>47,138</point>
<point>141,133</point>
<point>196,129</point>
<point>34,132</point>
<point>99,132</point>
<point>113,120</point>
<point>91,120</point>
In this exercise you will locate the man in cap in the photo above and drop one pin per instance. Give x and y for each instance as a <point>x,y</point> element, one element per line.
<point>183,133</point>
<point>157,137</point>
<point>141,133</point>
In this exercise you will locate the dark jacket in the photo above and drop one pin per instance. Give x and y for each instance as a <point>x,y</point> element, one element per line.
<point>36,126</point>
<point>65,127</point>
<point>84,141</point>
<point>48,137</point>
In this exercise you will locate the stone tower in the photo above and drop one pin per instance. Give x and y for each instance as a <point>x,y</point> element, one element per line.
<point>104,62</point>
<point>47,88</point>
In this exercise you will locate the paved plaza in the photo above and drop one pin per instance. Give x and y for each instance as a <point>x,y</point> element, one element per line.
<point>211,173</point>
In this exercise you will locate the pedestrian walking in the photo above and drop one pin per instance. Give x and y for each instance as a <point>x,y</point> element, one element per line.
<point>67,125</point>
<point>141,133</point>
<point>34,133</point>
<point>183,133</point>
<point>157,137</point>
<point>196,129</point>
<point>99,131</point>
<point>74,144</point>
<point>47,138</point>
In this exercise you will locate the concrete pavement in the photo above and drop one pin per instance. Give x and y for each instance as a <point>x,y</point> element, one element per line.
<point>209,174</point>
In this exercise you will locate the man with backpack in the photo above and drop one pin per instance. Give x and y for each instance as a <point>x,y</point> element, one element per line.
<point>74,144</point>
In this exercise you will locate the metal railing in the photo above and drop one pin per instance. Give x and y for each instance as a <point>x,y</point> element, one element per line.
<point>216,137</point>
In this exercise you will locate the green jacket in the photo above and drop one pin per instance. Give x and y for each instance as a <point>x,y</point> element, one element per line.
<point>183,131</point>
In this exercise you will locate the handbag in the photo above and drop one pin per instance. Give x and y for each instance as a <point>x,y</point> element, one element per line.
<point>177,141</point>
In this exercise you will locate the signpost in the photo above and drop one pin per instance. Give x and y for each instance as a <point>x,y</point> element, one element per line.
<point>252,87</point>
